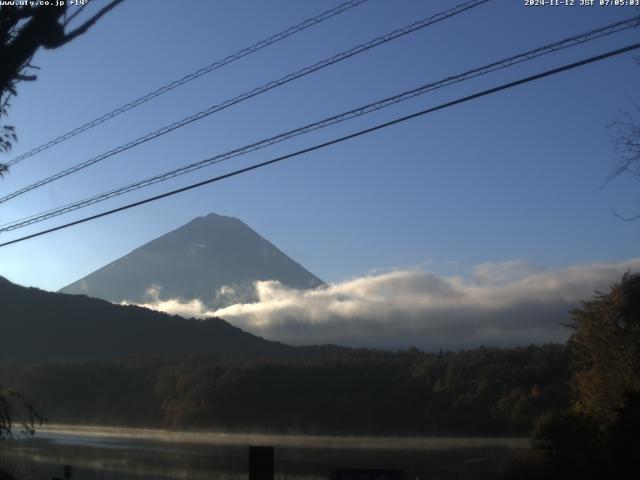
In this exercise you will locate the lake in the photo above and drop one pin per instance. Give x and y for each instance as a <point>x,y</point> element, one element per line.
<point>141,454</point>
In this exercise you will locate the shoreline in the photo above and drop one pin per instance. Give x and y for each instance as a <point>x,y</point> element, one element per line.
<point>286,439</point>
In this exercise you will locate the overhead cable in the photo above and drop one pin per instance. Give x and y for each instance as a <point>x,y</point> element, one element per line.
<point>354,113</point>
<point>359,133</point>
<point>250,94</point>
<point>310,22</point>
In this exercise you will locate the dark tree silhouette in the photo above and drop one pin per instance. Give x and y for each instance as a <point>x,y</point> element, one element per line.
<point>625,137</point>
<point>14,404</point>
<point>625,444</point>
<point>23,31</point>
<point>571,442</point>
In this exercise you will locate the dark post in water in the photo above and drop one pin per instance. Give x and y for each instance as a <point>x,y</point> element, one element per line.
<point>260,463</point>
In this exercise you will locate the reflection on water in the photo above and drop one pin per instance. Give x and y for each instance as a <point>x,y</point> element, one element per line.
<point>106,454</point>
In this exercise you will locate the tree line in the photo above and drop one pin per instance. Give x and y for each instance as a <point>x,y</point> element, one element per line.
<point>487,391</point>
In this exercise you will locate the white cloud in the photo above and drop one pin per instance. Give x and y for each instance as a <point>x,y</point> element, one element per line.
<point>506,303</point>
<point>188,309</point>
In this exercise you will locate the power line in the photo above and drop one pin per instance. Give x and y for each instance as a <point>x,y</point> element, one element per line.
<point>252,93</point>
<point>363,110</point>
<point>310,22</point>
<point>359,133</point>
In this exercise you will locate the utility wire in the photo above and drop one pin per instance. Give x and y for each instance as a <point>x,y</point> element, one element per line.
<point>442,106</point>
<point>252,93</point>
<point>366,109</point>
<point>310,22</point>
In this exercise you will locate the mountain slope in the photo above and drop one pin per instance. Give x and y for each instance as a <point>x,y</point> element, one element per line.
<point>214,259</point>
<point>39,326</point>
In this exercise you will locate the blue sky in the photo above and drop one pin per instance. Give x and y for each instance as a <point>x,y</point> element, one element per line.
<point>513,176</point>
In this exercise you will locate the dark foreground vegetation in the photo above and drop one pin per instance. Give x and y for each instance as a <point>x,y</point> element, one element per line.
<point>598,435</point>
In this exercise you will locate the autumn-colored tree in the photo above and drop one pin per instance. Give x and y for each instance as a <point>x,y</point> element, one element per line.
<point>606,349</point>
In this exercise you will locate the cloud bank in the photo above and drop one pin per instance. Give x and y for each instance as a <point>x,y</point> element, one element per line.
<point>499,304</point>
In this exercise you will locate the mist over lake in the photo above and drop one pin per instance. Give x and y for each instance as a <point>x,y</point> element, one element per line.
<point>144,454</point>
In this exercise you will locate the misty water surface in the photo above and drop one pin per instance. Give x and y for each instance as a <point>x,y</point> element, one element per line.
<point>108,453</point>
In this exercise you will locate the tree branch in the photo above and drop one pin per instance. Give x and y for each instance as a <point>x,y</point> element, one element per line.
<point>26,78</point>
<point>89,23</point>
<point>632,218</point>
<point>74,15</point>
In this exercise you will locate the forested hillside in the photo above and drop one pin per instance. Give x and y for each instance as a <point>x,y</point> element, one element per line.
<point>46,326</point>
<point>483,391</point>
